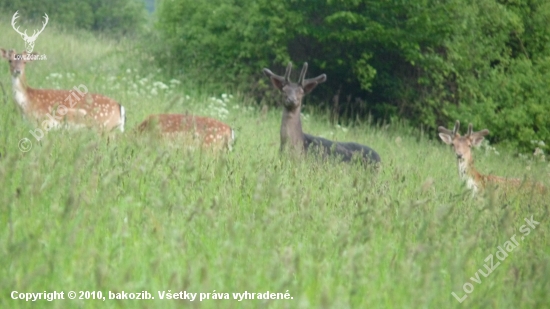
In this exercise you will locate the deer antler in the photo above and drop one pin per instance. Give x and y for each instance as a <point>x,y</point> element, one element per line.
<point>301,80</point>
<point>471,132</point>
<point>34,33</point>
<point>287,72</point>
<point>449,132</point>
<point>43,26</point>
<point>470,128</point>
<point>456,128</point>
<point>16,16</point>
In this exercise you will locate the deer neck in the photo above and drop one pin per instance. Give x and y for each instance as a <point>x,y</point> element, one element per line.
<point>20,91</point>
<point>469,174</point>
<point>291,129</point>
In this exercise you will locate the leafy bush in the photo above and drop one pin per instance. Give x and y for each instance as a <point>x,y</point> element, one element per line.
<point>220,41</point>
<point>430,61</point>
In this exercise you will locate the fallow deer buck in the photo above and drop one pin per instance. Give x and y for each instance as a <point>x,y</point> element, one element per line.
<point>291,125</point>
<point>61,107</point>
<point>191,130</point>
<point>462,146</point>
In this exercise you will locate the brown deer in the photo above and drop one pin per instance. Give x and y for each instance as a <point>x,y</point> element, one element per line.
<point>67,108</point>
<point>291,125</point>
<point>194,130</point>
<point>462,146</point>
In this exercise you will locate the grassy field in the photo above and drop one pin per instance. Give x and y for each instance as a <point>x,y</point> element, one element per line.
<point>80,212</point>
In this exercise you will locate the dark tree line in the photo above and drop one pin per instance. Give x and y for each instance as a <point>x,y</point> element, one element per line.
<point>428,61</point>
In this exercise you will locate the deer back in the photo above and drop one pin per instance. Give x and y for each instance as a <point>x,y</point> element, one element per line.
<point>345,150</point>
<point>191,129</point>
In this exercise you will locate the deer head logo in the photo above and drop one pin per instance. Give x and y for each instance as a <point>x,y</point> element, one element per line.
<point>29,40</point>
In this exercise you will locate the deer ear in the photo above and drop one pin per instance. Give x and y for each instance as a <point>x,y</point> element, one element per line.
<point>478,137</point>
<point>4,53</point>
<point>446,138</point>
<point>309,87</point>
<point>277,81</point>
<point>310,84</point>
<point>476,140</point>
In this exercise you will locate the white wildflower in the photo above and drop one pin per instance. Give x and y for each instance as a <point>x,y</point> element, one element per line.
<point>160,85</point>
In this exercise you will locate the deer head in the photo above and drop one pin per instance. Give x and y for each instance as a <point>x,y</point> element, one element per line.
<point>462,144</point>
<point>29,40</point>
<point>294,92</point>
<point>16,61</point>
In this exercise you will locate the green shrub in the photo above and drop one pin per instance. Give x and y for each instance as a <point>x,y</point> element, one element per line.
<point>426,61</point>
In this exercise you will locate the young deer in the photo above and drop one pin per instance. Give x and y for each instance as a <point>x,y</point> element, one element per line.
<point>466,170</point>
<point>61,107</point>
<point>291,125</point>
<point>203,131</point>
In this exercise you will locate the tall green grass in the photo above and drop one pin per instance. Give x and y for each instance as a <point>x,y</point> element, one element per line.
<point>80,211</point>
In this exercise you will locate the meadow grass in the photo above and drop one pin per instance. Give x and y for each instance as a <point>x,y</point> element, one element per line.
<point>80,211</point>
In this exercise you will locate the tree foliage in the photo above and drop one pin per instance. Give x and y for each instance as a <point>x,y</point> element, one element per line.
<point>428,61</point>
<point>110,16</point>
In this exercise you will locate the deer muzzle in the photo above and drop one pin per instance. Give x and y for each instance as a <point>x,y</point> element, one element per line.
<point>292,102</point>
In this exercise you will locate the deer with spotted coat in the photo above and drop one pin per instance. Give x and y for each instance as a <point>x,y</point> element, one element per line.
<point>190,130</point>
<point>291,132</point>
<point>71,109</point>
<point>475,181</point>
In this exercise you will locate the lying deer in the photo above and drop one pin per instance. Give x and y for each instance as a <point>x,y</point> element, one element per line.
<point>61,107</point>
<point>194,130</point>
<point>291,126</point>
<point>466,170</point>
